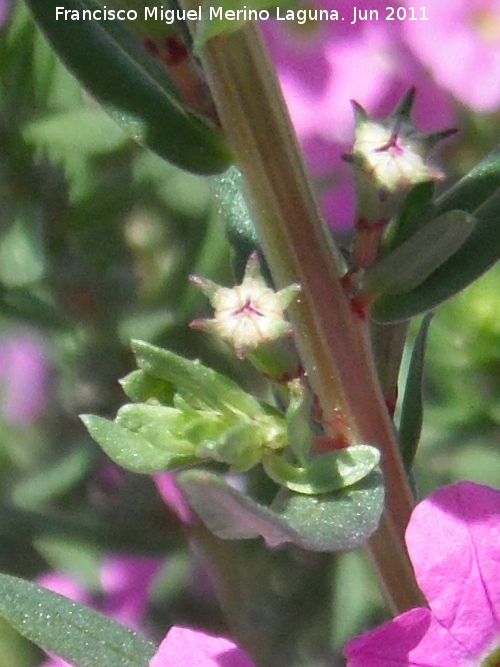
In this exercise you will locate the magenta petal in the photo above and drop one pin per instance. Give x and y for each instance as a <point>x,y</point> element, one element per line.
<point>414,639</point>
<point>126,581</point>
<point>183,647</point>
<point>454,542</point>
<point>173,496</point>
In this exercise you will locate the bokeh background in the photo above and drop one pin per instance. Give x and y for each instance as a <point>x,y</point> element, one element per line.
<point>97,239</point>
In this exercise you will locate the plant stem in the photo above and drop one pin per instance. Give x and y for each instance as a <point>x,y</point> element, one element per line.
<point>299,248</point>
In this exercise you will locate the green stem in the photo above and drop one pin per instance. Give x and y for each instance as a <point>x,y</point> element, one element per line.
<point>298,246</point>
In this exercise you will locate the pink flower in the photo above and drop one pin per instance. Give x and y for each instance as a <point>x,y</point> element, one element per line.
<point>173,496</point>
<point>24,378</point>
<point>460,43</point>
<point>183,646</point>
<point>453,539</point>
<point>4,7</point>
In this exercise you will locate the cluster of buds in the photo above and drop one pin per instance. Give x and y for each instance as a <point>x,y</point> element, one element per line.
<point>250,317</point>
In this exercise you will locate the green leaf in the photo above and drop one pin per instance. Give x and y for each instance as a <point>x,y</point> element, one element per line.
<point>22,260</point>
<point>478,185</point>
<point>55,138</point>
<point>113,65</point>
<point>416,259</point>
<point>140,387</point>
<point>28,306</point>
<point>412,407</point>
<point>324,473</point>
<point>96,133</point>
<point>415,210</point>
<point>480,251</point>
<point>73,632</point>
<point>213,389</point>
<point>240,229</point>
<point>330,522</point>
<point>134,451</point>
<point>298,421</point>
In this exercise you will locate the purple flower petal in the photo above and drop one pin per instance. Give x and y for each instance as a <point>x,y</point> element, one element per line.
<point>173,496</point>
<point>454,542</point>
<point>4,8</point>
<point>414,639</point>
<point>126,581</point>
<point>183,647</point>
<point>24,378</point>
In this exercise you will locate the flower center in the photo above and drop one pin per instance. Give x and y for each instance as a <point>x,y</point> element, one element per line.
<point>486,20</point>
<point>492,660</point>
<point>249,309</point>
<point>392,145</point>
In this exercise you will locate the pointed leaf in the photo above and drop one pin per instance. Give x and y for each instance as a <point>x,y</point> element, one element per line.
<point>215,390</point>
<point>412,408</point>
<point>414,260</point>
<point>112,64</point>
<point>240,229</point>
<point>298,421</point>
<point>415,211</point>
<point>473,189</point>
<point>330,522</point>
<point>479,252</point>
<point>131,450</point>
<point>140,386</point>
<point>73,632</point>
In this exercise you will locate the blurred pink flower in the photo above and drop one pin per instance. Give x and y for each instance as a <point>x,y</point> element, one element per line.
<point>4,8</point>
<point>460,43</point>
<point>183,647</point>
<point>173,496</point>
<point>453,539</point>
<point>24,378</point>
<point>125,583</point>
<point>322,65</point>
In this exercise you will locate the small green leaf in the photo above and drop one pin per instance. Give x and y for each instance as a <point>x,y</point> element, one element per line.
<point>414,260</point>
<point>73,632</point>
<point>338,521</point>
<point>22,260</point>
<point>240,229</point>
<point>324,473</point>
<point>298,421</point>
<point>479,252</point>
<point>412,409</point>
<point>239,446</point>
<point>330,522</point>
<point>111,63</point>
<point>211,388</point>
<point>97,133</point>
<point>415,210</point>
<point>473,189</point>
<point>132,450</point>
<point>140,386</point>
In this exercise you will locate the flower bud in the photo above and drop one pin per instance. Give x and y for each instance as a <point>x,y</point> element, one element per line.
<point>389,157</point>
<point>249,315</point>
